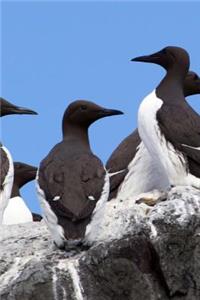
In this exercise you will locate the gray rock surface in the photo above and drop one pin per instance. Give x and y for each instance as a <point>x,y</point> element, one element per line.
<point>139,253</point>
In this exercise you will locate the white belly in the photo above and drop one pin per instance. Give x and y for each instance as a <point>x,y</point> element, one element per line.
<point>7,185</point>
<point>144,175</point>
<point>16,212</point>
<point>170,161</point>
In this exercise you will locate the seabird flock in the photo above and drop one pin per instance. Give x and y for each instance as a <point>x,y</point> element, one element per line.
<point>72,183</point>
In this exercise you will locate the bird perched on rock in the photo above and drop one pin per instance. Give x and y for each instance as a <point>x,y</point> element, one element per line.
<point>7,169</point>
<point>122,158</point>
<point>167,124</point>
<point>72,183</point>
<point>17,211</point>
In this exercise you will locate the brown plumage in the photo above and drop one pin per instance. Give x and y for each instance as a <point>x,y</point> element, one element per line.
<point>71,176</point>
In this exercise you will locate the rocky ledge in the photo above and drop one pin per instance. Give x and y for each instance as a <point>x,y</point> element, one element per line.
<point>139,253</point>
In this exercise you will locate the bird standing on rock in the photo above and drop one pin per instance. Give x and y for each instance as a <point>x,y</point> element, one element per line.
<point>146,176</point>
<point>72,183</point>
<point>7,168</point>
<point>167,124</point>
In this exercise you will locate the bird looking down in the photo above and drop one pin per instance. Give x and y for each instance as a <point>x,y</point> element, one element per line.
<point>73,185</point>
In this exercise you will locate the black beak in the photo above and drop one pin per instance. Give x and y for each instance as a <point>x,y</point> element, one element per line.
<point>21,110</point>
<point>110,112</point>
<point>28,169</point>
<point>153,58</point>
<point>33,171</point>
<point>7,108</point>
<point>141,58</point>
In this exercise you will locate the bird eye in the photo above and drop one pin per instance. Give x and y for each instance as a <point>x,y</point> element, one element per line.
<point>83,107</point>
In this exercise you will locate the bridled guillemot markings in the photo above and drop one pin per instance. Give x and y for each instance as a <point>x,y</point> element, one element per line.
<point>147,178</point>
<point>72,183</point>
<point>7,169</point>
<point>16,211</point>
<point>166,122</point>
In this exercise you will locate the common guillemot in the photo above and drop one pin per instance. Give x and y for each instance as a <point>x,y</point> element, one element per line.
<point>123,156</point>
<point>17,211</point>
<point>167,124</point>
<point>7,169</point>
<point>72,183</point>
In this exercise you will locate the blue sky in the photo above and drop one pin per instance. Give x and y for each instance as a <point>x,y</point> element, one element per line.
<point>57,52</point>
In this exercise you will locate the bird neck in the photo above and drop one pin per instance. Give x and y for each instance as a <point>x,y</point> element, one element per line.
<point>15,191</point>
<point>76,133</point>
<point>171,87</point>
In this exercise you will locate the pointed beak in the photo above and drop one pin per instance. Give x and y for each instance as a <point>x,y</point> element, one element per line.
<point>22,111</point>
<point>141,58</point>
<point>153,58</point>
<point>27,169</point>
<point>110,112</point>
<point>33,170</point>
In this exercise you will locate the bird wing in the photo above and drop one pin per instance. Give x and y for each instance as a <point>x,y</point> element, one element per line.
<point>181,127</point>
<point>120,159</point>
<point>72,187</point>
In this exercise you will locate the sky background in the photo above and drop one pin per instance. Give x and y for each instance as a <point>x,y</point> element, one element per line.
<point>56,52</point>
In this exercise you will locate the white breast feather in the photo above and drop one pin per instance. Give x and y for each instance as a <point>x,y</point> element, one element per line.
<point>7,185</point>
<point>50,218</point>
<point>170,161</point>
<point>93,227</point>
<point>143,175</point>
<point>16,212</point>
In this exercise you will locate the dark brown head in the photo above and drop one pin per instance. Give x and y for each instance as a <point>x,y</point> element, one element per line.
<point>191,84</point>
<point>7,108</point>
<point>168,58</point>
<point>82,113</point>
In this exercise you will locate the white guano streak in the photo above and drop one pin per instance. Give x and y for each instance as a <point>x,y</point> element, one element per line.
<point>73,270</point>
<point>54,284</point>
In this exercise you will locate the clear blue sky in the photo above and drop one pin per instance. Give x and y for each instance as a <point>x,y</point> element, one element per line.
<point>57,52</point>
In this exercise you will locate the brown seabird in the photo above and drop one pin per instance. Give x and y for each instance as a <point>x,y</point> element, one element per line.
<point>7,169</point>
<point>72,183</point>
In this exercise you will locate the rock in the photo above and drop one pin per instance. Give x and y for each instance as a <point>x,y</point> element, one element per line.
<point>139,253</point>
